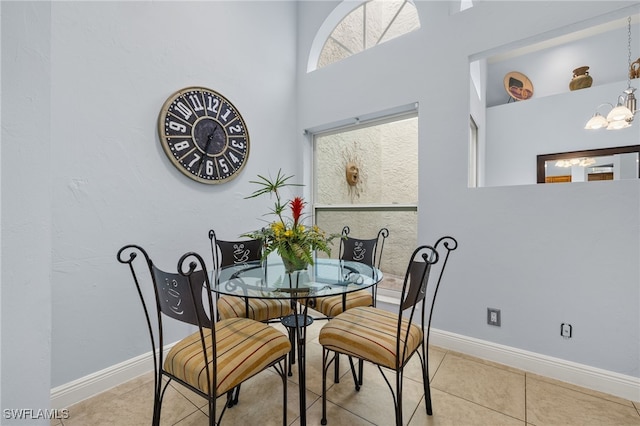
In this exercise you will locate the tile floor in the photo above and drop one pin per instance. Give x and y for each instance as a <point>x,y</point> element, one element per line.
<point>465,391</point>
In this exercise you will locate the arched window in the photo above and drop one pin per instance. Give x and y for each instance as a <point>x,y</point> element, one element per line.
<point>361,26</point>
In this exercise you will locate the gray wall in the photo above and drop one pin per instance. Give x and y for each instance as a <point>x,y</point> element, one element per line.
<point>26,285</point>
<point>113,184</point>
<point>543,254</point>
<point>83,173</point>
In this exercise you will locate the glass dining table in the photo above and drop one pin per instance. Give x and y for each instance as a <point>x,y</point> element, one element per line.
<point>269,280</point>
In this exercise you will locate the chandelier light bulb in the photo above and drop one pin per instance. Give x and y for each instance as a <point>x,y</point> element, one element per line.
<point>619,113</point>
<point>596,122</point>
<point>582,162</point>
<point>620,124</point>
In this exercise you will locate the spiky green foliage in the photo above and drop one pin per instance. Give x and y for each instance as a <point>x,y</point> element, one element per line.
<point>291,239</point>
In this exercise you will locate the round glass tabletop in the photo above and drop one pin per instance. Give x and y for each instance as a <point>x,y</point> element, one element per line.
<point>265,280</point>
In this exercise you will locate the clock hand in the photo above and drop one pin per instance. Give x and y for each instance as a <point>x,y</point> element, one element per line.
<point>206,148</point>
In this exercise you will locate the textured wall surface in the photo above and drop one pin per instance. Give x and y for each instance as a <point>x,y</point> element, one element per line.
<point>366,224</point>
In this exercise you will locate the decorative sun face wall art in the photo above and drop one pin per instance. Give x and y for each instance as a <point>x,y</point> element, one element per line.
<point>352,172</point>
<point>368,165</point>
<point>353,175</point>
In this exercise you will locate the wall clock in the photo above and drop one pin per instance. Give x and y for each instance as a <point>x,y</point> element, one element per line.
<point>203,135</point>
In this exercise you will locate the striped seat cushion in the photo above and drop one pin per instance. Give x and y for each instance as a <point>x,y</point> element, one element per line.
<point>245,347</point>
<point>259,309</point>
<point>332,305</point>
<point>370,334</point>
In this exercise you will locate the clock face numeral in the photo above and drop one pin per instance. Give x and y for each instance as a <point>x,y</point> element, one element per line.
<point>204,135</point>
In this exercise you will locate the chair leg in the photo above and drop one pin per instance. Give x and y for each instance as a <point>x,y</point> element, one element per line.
<point>156,412</point>
<point>212,412</point>
<point>292,353</point>
<point>281,369</point>
<point>356,380</point>
<point>157,403</point>
<point>399,397</point>
<point>235,393</point>
<point>157,400</point>
<point>325,367</point>
<point>425,380</point>
<point>427,399</point>
<point>336,370</point>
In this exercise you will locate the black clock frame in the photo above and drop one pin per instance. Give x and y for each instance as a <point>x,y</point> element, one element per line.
<point>204,135</point>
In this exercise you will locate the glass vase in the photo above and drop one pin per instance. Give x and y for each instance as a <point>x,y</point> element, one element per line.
<point>292,265</point>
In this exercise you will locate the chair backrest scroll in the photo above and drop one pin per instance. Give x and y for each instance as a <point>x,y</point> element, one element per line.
<point>448,244</point>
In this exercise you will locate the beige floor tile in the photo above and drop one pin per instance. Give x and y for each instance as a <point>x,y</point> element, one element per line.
<point>135,383</point>
<point>550,404</point>
<point>314,369</point>
<point>336,416</point>
<point>260,402</point>
<point>487,362</point>
<point>413,369</point>
<point>122,389</point>
<point>374,401</point>
<point>132,408</point>
<point>198,418</point>
<point>449,410</point>
<point>608,397</point>
<point>465,391</point>
<point>492,387</point>
<point>194,398</point>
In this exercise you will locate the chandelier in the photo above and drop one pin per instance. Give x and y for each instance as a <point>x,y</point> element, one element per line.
<point>582,162</point>
<point>620,116</point>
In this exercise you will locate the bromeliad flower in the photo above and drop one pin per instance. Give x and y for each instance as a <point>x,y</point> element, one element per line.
<point>297,204</point>
<point>293,241</point>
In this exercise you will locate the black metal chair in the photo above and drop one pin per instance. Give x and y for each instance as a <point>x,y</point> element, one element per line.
<point>227,253</point>
<point>369,252</point>
<point>216,358</point>
<point>386,339</point>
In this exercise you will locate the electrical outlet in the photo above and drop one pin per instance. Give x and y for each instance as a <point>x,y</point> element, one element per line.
<point>493,316</point>
<point>566,330</point>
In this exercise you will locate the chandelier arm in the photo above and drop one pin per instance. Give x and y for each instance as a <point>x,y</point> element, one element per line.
<point>621,116</point>
<point>605,104</point>
<point>628,51</point>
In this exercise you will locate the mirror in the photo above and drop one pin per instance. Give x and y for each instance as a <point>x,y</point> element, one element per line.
<point>592,164</point>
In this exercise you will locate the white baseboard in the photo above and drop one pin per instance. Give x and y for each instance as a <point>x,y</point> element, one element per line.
<point>85,387</point>
<point>616,384</point>
<point>620,385</point>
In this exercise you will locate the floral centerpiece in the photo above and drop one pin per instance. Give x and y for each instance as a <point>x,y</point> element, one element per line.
<point>288,236</point>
